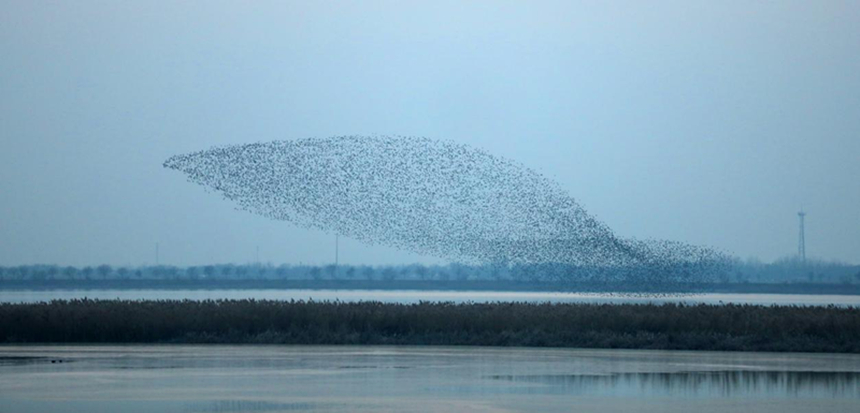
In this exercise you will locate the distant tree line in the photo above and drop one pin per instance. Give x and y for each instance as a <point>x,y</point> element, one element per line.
<point>260,272</point>
<point>792,269</point>
<point>667,326</point>
<point>740,271</point>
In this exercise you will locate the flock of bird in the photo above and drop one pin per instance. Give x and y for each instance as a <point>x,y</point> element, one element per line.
<point>437,198</point>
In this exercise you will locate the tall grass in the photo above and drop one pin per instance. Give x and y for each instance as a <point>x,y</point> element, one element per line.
<point>667,326</point>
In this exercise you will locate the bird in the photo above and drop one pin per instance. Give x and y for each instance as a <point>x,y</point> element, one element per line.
<point>439,198</point>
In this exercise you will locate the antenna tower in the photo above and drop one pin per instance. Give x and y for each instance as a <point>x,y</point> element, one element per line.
<point>801,241</point>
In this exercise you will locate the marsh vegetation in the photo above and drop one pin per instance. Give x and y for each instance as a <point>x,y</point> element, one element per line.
<point>631,326</point>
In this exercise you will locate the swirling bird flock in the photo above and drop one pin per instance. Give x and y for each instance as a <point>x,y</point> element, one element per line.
<point>436,198</point>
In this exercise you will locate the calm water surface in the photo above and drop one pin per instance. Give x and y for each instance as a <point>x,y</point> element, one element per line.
<point>412,296</point>
<point>434,379</point>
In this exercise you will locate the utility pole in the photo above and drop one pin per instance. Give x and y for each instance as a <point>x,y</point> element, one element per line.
<point>801,241</point>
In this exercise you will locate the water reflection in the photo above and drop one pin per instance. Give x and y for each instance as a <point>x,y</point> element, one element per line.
<point>705,383</point>
<point>222,406</point>
<point>182,378</point>
<point>17,360</point>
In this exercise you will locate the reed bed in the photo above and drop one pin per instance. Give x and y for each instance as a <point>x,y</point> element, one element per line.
<point>627,326</point>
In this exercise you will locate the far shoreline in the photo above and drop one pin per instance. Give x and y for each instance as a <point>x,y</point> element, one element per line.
<point>430,285</point>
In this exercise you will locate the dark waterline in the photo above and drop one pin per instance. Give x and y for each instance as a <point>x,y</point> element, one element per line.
<point>414,296</point>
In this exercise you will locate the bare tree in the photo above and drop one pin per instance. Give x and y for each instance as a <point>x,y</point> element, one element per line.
<point>368,273</point>
<point>171,272</point>
<point>331,271</point>
<point>52,271</point>
<point>104,270</point>
<point>422,272</point>
<point>389,274</point>
<point>70,272</point>
<point>461,273</point>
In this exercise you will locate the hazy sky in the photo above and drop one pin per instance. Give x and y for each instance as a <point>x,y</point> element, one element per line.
<point>705,122</point>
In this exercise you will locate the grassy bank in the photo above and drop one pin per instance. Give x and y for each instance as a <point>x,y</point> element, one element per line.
<point>670,326</point>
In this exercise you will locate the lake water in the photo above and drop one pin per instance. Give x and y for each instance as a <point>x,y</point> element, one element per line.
<point>413,296</point>
<point>419,379</point>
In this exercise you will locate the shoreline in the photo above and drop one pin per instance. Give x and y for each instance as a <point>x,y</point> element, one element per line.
<point>418,285</point>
